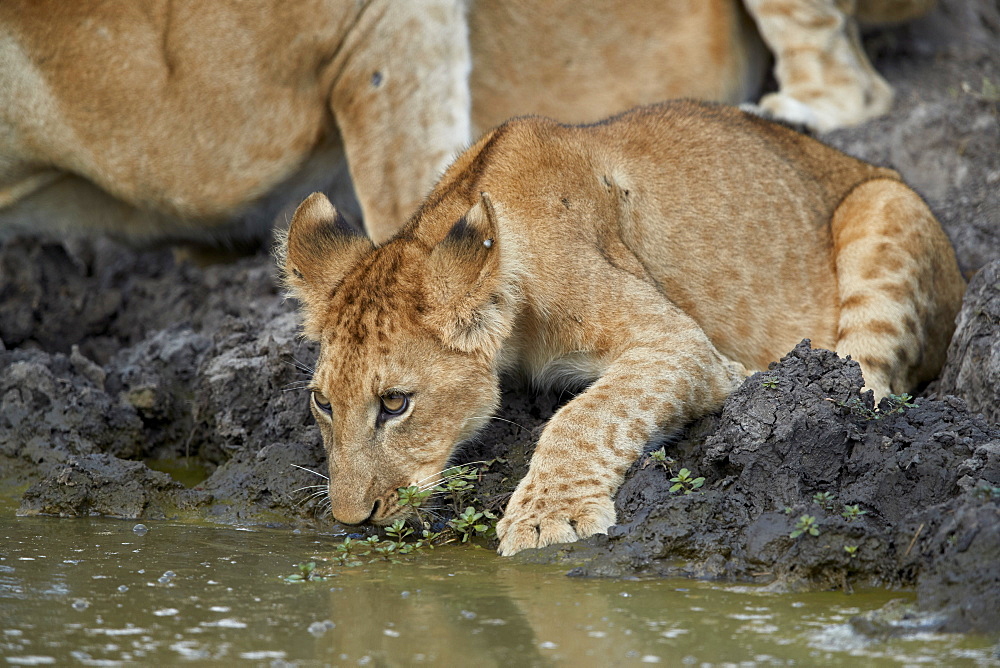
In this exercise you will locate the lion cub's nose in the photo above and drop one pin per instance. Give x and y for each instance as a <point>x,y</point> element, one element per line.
<point>352,516</point>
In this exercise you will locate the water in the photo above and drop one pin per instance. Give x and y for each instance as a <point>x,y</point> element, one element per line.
<point>96,592</point>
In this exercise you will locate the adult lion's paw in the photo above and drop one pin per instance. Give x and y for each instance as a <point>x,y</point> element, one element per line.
<point>786,108</point>
<point>832,109</point>
<point>524,526</point>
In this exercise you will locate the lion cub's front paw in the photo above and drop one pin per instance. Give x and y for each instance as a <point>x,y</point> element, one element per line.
<point>539,522</point>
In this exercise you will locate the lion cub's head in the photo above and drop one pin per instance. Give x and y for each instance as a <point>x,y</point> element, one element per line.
<point>409,337</point>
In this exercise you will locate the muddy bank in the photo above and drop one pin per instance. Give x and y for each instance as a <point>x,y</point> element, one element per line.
<point>925,479</point>
<point>895,495</point>
<point>111,358</point>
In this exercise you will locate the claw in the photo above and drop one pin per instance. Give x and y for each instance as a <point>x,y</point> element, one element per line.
<point>592,517</point>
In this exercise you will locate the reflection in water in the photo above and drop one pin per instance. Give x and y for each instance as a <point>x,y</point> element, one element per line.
<point>93,591</point>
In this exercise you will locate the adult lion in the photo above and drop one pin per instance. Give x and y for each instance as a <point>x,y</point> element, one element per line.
<point>204,120</point>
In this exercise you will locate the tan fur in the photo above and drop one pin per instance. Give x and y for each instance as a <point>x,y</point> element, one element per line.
<point>825,79</point>
<point>200,121</point>
<point>660,256</point>
<point>203,121</point>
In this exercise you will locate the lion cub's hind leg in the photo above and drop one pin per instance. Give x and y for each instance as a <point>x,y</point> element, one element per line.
<point>899,284</point>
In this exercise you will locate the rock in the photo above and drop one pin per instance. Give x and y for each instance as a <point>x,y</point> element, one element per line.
<point>49,411</point>
<point>100,484</point>
<point>973,367</point>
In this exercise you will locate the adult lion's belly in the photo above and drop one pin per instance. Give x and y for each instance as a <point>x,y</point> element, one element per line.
<point>579,61</point>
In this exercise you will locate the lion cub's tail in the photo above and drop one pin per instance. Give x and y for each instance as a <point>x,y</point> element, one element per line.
<point>899,283</point>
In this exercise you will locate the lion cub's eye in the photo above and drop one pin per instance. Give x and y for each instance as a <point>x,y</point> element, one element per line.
<point>321,401</point>
<point>394,403</point>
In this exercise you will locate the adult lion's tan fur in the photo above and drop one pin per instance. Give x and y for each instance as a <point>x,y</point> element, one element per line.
<point>203,120</point>
<point>659,256</point>
<point>175,119</point>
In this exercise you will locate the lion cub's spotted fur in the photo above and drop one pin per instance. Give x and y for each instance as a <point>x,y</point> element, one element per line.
<point>662,255</point>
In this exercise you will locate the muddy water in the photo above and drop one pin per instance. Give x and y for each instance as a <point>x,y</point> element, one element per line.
<point>93,591</point>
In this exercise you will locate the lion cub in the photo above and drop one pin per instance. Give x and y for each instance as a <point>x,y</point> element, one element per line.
<point>660,256</point>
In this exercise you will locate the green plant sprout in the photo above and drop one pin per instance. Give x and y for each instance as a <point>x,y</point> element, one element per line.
<point>401,537</point>
<point>471,522</point>
<point>852,513</point>
<point>458,485</point>
<point>770,383</point>
<point>824,499</point>
<point>660,458</point>
<point>413,496</point>
<point>353,552</point>
<point>684,482</point>
<point>805,525</point>
<point>399,530</point>
<point>851,550</point>
<point>307,571</point>
<point>896,403</point>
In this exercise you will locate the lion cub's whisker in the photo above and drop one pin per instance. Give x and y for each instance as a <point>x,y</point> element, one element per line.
<point>313,497</point>
<point>430,485</point>
<point>433,513</point>
<point>299,489</point>
<point>316,473</point>
<point>301,366</point>
<point>443,473</point>
<point>433,484</point>
<point>494,417</point>
<point>316,496</point>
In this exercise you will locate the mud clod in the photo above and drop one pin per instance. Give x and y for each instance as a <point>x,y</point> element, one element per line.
<point>973,368</point>
<point>101,484</point>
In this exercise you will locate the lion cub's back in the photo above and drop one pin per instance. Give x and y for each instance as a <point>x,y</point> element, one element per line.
<point>730,214</point>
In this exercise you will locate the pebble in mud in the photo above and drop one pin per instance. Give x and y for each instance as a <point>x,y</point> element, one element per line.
<point>319,628</point>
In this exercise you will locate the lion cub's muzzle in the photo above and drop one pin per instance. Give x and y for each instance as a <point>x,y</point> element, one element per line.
<point>382,509</point>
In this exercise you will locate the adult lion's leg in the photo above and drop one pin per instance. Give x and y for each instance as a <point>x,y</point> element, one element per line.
<point>401,101</point>
<point>824,76</point>
<point>670,373</point>
<point>899,283</point>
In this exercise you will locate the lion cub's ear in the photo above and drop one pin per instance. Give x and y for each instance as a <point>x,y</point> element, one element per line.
<point>466,287</point>
<point>318,249</point>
